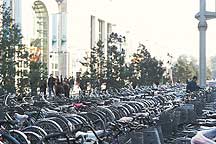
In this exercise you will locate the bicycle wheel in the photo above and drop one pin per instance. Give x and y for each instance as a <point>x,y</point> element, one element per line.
<point>36,129</point>
<point>116,112</point>
<point>102,115</point>
<point>81,118</point>
<point>89,121</point>
<point>109,114</point>
<point>76,122</point>
<point>130,108</point>
<point>98,123</point>
<point>19,136</point>
<point>33,137</point>
<point>49,126</point>
<point>123,111</point>
<point>62,121</point>
<point>8,139</point>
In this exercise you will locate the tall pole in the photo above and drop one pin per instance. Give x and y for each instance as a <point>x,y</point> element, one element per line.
<point>203,16</point>
<point>202,26</point>
<point>61,64</point>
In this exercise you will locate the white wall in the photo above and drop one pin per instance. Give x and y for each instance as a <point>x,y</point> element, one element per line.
<point>78,24</point>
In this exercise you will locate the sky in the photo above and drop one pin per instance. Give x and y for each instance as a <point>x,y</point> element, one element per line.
<point>166,25</point>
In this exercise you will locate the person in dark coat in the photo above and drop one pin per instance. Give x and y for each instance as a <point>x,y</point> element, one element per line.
<point>59,89</point>
<point>66,87</point>
<point>192,85</point>
<point>71,82</point>
<point>61,79</point>
<point>43,86</point>
<point>51,83</point>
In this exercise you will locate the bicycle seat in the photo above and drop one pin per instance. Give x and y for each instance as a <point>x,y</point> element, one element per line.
<point>125,119</point>
<point>20,118</point>
<point>204,137</point>
<point>90,135</point>
<point>79,105</point>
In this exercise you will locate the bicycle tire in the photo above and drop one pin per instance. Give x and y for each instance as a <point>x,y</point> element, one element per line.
<point>49,126</point>
<point>116,112</point>
<point>36,129</point>
<point>62,123</point>
<point>109,114</point>
<point>81,118</point>
<point>61,120</point>
<point>130,108</point>
<point>76,122</point>
<point>20,136</point>
<point>95,118</point>
<point>10,139</point>
<point>33,137</point>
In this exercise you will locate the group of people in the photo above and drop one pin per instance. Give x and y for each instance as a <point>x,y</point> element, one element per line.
<point>57,86</point>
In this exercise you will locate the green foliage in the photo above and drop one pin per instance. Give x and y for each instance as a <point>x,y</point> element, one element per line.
<point>38,71</point>
<point>44,71</point>
<point>10,38</point>
<point>116,68</point>
<point>208,74</point>
<point>15,56</point>
<point>34,76</point>
<point>95,66</point>
<point>184,69</point>
<point>213,66</point>
<point>143,70</point>
<point>22,59</point>
<point>99,69</point>
<point>146,70</point>
<point>84,79</point>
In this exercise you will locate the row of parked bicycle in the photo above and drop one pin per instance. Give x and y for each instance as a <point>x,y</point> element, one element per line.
<point>120,116</point>
<point>201,129</point>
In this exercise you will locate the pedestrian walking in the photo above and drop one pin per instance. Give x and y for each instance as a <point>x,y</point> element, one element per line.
<point>59,90</point>
<point>66,87</point>
<point>61,79</point>
<point>71,82</point>
<point>51,83</point>
<point>192,85</point>
<point>43,86</point>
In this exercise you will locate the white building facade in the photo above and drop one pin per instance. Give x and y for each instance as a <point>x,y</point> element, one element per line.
<point>62,31</point>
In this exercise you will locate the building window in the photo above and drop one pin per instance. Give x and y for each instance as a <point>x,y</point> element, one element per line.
<point>25,64</point>
<point>25,73</point>
<point>109,29</point>
<point>19,73</point>
<point>18,80</point>
<point>56,57</point>
<point>100,25</point>
<point>20,64</point>
<point>101,30</point>
<point>18,54</point>
<point>56,73</point>
<point>92,35</point>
